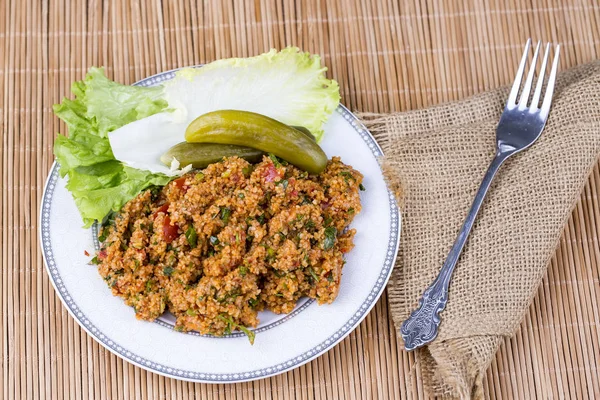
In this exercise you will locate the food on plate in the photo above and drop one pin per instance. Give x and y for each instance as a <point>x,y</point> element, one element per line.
<point>245,128</point>
<point>216,246</point>
<point>261,221</point>
<point>201,155</point>
<point>118,133</point>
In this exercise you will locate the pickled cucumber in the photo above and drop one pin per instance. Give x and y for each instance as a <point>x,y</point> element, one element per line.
<point>305,131</point>
<point>200,155</point>
<point>249,129</point>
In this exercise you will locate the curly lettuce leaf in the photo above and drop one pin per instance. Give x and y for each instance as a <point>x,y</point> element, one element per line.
<point>289,86</point>
<point>98,182</point>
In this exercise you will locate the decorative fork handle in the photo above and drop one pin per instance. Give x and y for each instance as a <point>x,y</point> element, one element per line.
<point>422,325</point>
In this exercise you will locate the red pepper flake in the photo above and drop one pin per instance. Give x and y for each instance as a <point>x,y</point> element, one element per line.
<point>102,254</point>
<point>86,253</point>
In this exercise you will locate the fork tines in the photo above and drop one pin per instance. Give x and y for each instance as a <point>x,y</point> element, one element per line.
<point>523,99</point>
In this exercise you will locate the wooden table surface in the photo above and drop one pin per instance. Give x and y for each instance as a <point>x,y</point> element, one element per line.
<point>387,56</point>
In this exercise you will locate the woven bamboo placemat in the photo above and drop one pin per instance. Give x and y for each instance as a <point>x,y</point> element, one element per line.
<point>387,56</point>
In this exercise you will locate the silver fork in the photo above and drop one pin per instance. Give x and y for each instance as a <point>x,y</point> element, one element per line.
<point>519,127</point>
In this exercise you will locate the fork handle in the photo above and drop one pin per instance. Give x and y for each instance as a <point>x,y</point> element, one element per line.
<point>421,327</point>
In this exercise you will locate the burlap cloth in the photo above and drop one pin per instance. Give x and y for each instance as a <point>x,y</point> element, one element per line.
<point>438,156</point>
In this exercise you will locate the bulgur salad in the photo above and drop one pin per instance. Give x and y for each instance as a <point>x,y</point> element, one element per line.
<point>214,247</point>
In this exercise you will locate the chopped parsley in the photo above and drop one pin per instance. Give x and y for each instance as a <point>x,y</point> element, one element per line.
<point>347,176</point>
<point>270,254</point>
<point>247,171</point>
<point>102,237</point>
<point>275,160</point>
<point>225,214</point>
<point>191,236</point>
<point>330,234</point>
<point>361,187</point>
<point>231,325</point>
<point>109,219</point>
<point>279,274</point>
<point>168,271</point>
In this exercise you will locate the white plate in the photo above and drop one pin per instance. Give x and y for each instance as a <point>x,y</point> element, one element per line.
<point>283,342</point>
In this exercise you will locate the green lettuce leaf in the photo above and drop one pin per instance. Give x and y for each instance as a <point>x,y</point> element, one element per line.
<point>289,86</point>
<point>98,182</point>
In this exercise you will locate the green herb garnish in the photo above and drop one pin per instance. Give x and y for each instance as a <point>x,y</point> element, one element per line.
<point>330,235</point>
<point>168,271</point>
<point>102,237</point>
<point>109,219</point>
<point>214,240</point>
<point>230,295</point>
<point>191,236</point>
<point>243,270</point>
<point>361,187</point>
<point>279,274</point>
<point>247,171</point>
<point>347,175</point>
<point>275,160</point>
<point>225,214</point>
<point>232,325</point>
<point>313,274</point>
<point>191,312</point>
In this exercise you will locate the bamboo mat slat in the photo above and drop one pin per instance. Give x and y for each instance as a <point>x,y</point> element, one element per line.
<point>387,56</point>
